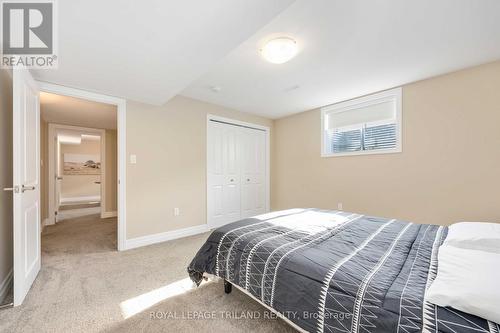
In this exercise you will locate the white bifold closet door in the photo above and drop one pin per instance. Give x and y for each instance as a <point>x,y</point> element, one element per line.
<point>253,171</point>
<point>236,177</point>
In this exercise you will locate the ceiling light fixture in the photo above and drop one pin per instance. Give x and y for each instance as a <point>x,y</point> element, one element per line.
<point>69,139</point>
<point>215,89</point>
<point>90,137</point>
<point>279,50</point>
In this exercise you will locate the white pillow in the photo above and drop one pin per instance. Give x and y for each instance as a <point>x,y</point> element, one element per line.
<point>467,280</point>
<point>475,236</point>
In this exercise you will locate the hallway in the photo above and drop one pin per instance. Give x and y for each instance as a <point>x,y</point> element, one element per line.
<point>84,235</point>
<point>73,211</point>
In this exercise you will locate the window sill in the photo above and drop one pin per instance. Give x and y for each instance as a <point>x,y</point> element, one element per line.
<point>364,152</point>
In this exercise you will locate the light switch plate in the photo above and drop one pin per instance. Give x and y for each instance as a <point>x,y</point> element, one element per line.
<point>133,159</point>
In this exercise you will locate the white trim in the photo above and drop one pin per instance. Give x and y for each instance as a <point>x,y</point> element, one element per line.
<point>268,170</point>
<point>121,105</point>
<point>80,199</point>
<point>105,215</point>
<point>102,186</point>
<point>166,236</point>
<point>267,131</point>
<point>46,222</point>
<point>6,285</point>
<point>396,93</point>
<point>237,122</point>
<point>78,93</point>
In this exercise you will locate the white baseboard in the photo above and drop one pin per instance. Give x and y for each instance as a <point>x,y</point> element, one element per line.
<point>80,199</point>
<point>105,215</point>
<point>45,222</point>
<point>5,286</point>
<point>165,236</point>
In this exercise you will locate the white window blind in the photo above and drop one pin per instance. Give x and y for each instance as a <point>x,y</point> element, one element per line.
<point>370,124</point>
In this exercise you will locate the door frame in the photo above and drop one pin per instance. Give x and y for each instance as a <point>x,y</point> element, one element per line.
<point>121,106</point>
<point>267,131</point>
<point>52,165</point>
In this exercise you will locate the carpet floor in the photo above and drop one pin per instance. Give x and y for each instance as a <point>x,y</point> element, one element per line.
<point>85,285</point>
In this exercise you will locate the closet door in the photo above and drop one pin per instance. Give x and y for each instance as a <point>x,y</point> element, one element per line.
<point>253,172</point>
<point>223,183</point>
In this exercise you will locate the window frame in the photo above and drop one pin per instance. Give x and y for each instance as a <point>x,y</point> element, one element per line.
<point>381,97</point>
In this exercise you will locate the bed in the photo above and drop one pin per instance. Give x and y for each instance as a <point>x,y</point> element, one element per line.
<point>333,271</point>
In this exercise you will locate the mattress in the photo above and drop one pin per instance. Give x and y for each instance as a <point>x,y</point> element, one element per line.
<point>333,271</point>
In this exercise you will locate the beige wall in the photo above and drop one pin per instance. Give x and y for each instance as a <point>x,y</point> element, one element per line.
<point>5,173</point>
<point>449,169</point>
<point>170,144</point>
<point>111,172</point>
<point>74,186</point>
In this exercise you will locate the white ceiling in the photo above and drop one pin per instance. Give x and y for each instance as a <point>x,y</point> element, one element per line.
<point>352,48</point>
<point>150,50</point>
<point>77,112</point>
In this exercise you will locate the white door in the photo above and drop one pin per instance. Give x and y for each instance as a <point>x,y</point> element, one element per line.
<point>253,177</point>
<point>223,174</point>
<point>26,130</point>
<point>236,173</point>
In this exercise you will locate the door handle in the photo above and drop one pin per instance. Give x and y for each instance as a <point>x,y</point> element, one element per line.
<point>232,180</point>
<point>59,178</point>
<point>97,182</point>
<point>25,188</point>
<point>14,189</point>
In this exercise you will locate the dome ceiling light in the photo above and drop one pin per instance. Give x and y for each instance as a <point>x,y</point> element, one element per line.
<point>279,50</point>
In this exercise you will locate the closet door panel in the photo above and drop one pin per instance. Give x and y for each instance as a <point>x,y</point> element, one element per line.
<point>218,201</point>
<point>260,174</point>
<point>232,186</point>
<point>224,191</point>
<point>215,199</point>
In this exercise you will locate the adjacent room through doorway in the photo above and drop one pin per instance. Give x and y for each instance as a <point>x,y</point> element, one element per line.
<point>78,173</point>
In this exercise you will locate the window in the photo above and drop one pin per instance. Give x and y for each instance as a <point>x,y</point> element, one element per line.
<point>366,125</point>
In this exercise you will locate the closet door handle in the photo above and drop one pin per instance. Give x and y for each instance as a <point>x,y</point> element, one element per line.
<point>232,180</point>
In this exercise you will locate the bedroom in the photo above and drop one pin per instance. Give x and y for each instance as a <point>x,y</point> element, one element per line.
<point>203,66</point>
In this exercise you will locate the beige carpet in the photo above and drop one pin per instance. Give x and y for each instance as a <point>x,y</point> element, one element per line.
<point>85,285</point>
<point>75,211</point>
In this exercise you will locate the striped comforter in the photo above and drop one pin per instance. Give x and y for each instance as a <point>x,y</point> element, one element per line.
<point>330,271</point>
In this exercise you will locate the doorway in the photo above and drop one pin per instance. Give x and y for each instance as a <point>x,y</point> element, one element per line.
<point>78,171</point>
<point>120,184</point>
<point>79,164</point>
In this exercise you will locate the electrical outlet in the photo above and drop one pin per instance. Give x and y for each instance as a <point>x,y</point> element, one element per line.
<point>176,212</point>
<point>339,206</point>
